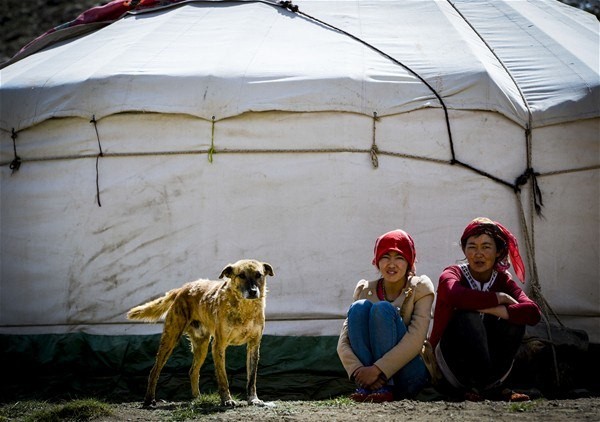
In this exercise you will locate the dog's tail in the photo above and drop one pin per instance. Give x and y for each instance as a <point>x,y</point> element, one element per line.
<point>155,309</point>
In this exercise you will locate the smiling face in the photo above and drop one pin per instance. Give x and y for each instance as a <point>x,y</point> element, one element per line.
<point>393,267</point>
<point>481,253</point>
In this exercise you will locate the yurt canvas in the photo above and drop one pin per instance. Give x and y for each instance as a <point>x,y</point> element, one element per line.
<point>148,144</point>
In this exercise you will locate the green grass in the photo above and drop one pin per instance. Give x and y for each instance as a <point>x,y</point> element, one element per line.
<point>341,401</point>
<point>203,405</point>
<point>211,403</point>
<point>41,411</point>
<point>520,407</point>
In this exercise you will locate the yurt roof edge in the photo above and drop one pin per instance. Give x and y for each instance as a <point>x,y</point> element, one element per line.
<point>529,104</point>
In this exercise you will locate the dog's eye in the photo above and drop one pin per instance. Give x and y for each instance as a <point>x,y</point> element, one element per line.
<point>242,276</point>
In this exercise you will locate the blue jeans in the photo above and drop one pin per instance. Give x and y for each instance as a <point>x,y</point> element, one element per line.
<point>374,329</point>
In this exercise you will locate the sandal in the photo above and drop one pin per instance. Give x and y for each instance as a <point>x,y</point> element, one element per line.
<point>384,394</point>
<point>513,396</point>
<point>360,395</point>
<point>473,396</point>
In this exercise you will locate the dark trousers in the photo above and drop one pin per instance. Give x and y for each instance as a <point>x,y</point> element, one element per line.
<point>480,349</point>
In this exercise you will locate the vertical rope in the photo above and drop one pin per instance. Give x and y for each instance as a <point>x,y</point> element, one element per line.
<point>100,154</point>
<point>211,151</point>
<point>537,295</point>
<point>374,149</point>
<point>15,164</point>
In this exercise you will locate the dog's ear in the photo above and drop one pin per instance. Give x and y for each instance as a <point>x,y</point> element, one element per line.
<point>268,269</point>
<point>227,271</point>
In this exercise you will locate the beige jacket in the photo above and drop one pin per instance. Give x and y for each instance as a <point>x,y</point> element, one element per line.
<point>414,305</point>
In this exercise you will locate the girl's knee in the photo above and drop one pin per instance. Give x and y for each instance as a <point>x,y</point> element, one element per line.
<point>383,309</point>
<point>360,307</point>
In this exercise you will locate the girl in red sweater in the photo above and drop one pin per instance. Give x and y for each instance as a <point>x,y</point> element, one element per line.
<point>481,313</point>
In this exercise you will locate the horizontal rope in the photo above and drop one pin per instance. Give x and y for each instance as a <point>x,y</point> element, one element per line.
<point>282,151</point>
<point>228,151</point>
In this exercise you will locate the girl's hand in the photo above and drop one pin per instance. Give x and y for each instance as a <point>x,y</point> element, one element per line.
<point>369,377</point>
<point>505,299</point>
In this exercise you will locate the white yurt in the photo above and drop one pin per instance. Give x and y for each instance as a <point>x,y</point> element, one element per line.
<point>147,144</point>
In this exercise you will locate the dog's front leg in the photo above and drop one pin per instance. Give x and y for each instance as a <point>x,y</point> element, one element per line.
<point>252,355</point>
<point>218,352</point>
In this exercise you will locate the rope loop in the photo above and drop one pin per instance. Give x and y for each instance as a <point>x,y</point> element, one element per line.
<point>15,164</point>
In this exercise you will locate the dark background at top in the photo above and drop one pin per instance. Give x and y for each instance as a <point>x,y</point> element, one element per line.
<point>23,20</point>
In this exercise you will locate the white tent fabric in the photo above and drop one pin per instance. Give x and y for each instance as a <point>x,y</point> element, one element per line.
<point>213,131</point>
<point>230,58</point>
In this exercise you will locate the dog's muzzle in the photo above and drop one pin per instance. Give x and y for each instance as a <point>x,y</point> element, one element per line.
<point>252,292</point>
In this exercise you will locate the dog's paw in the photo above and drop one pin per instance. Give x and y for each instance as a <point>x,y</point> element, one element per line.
<point>149,404</point>
<point>229,403</point>
<point>256,402</point>
<point>260,403</point>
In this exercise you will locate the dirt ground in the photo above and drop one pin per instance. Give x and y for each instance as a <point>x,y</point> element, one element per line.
<point>581,409</point>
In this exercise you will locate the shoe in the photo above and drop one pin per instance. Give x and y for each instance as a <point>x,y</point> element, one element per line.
<point>473,396</point>
<point>384,394</point>
<point>360,395</point>
<point>513,396</point>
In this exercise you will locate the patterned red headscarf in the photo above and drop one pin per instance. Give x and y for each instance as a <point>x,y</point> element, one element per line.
<point>508,244</point>
<point>398,241</point>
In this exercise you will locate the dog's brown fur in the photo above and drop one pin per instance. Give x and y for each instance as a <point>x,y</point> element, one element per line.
<point>231,312</point>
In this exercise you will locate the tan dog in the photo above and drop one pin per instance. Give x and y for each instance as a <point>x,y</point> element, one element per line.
<point>231,312</point>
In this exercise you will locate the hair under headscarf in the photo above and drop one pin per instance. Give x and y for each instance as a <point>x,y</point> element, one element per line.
<point>506,244</point>
<point>398,241</point>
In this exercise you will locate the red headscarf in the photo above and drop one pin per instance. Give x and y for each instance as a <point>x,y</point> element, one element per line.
<point>398,241</point>
<point>497,231</point>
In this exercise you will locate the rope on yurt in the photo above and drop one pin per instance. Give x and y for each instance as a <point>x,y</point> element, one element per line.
<point>293,8</point>
<point>374,148</point>
<point>211,150</point>
<point>100,154</point>
<point>15,164</point>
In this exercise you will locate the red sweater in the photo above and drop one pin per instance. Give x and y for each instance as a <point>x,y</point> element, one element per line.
<point>454,293</point>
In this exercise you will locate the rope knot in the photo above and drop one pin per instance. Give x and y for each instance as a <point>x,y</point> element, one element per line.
<point>15,164</point>
<point>374,148</point>
<point>522,179</point>
<point>374,158</point>
<point>289,5</point>
<point>530,173</point>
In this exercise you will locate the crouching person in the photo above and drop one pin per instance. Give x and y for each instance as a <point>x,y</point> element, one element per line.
<point>387,323</point>
<point>480,315</point>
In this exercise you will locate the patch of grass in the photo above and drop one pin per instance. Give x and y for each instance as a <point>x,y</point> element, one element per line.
<point>203,405</point>
<point>39,411</point>
<point>21,409</point>
<point>341,401</point>
<point>520,407</point>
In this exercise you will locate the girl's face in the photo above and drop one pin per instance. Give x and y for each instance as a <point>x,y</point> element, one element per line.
<point>481,255</point>
<point>393,267</point>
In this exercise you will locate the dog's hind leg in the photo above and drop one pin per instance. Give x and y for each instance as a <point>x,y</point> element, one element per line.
<point>175,325</point>
<point>252,356</point>
<point>200,344</point>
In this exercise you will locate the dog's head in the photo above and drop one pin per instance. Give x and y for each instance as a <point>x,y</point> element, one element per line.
<point>249,276</point>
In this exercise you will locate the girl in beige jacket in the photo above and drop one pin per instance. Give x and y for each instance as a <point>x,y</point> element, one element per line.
<point>386,327</point>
